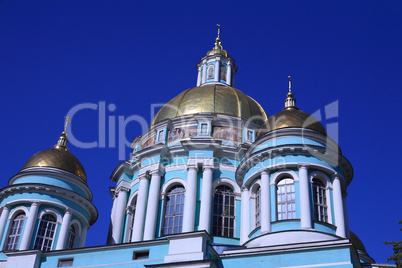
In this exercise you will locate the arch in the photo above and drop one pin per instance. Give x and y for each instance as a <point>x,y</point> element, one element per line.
<point>171,183</point>
<point>321,176</point>
<point>229,182</point>
<point>17,210</point>
<point>285,196</point>
<point>77,223</point>
<point>130,214</point>
<point>279,175</point>
<point>53,212</point>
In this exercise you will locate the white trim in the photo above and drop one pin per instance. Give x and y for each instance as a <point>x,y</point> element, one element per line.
<point>322,176</point>
<point>253,192</point>
<point>131,198</point>
<point>228,182</point>
<point>50,211</point>
<point>170,183</point>
<point>16,210</point>
<point>277,176</point>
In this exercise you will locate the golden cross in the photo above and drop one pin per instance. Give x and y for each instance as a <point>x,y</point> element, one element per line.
<point>219,29</point>
<point>290,84</point>
<point>67,122</point>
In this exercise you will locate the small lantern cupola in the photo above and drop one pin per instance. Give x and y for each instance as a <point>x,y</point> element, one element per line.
<point>216,67</point>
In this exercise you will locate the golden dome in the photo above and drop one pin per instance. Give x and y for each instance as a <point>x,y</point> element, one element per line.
<point>212,98</point>
<point>291,117</point>
<point>57,157</point>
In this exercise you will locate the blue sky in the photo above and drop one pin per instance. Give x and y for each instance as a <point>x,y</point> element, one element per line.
<point>57,54</point>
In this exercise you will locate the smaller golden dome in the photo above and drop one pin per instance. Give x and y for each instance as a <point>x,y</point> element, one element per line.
<point>291,117</point>
<point>57,158</point>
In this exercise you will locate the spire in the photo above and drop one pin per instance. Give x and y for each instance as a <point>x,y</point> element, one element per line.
<point>218,39</point>
<point>290,102</point>
<point>62,142</point>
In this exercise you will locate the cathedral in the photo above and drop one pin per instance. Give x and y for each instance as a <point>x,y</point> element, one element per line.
<point>214,182</point>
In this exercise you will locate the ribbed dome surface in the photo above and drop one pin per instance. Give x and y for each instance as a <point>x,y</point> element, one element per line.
<point>57,158</point>
<point>291,118</point>
<point>212,99</point>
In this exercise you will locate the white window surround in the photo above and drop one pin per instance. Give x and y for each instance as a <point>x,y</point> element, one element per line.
<point>51,211</point>
<point>17,210</point>
<point>77,225</point>
<point>176,215</point>
<point>277,176</point>
<point>130,219</point>
<point>253,190</point>
<point>228,182</point>
<point>170,183</point>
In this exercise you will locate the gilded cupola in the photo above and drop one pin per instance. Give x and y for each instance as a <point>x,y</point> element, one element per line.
<point>291,117</point>
<point>57,157</point>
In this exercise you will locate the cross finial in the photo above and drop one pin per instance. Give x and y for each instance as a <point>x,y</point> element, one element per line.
<point>67,121</point>
<point>219,29</point>
<point>290,84</point>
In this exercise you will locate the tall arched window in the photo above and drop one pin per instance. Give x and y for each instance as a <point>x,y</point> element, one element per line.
<point>47,228</point>
<point>72,237</point>
<point>320,201</point>
<point>224,211</point>
<point>258,207</point>
<point>173,213</point>
<point>285,199</point>
<point>130,219</point>
<point>15,232</point>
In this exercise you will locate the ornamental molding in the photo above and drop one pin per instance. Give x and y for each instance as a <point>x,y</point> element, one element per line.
<point>50,190</point>
<point>54,173</point>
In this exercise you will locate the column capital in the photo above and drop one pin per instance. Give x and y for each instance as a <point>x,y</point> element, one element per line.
<point>35,204</point>
<point>144,176</point>
<point>67,210</point>
<point>265,172</point>
<point>192,166</point>
<point>122,189</point>
<point>244,188</point>
<point>303,165</point>
<point>207,166</point>
<point>156,172</point>
<point>6,207</point>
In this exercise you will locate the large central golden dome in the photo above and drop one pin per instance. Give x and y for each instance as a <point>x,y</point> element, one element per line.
<point>212,98</point>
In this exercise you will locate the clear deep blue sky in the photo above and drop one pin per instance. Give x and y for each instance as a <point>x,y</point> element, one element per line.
<point>57,54</point>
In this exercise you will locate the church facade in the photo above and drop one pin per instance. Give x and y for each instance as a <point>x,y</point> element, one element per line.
<point>215,182</point>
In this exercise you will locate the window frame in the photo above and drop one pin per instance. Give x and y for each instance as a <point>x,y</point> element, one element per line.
<point>319,193</point>
<point>11,235</point>
<point>46,229</point>
<point>285,202</point>
<point>230,219</point>
<point>177,217</point>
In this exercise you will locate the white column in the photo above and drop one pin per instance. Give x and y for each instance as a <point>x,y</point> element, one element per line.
<point>119,214</point>
<point>3,220</point>
<point>265,203</point>
<point>199,77</point>
<point>139,218</point>
<point>206,199</point>
<point>111,224</point>
<point>190,198</point>
<point>338,207</point>
<point>204,72</point>
<point>83,236</point>
<point>61,242</point>
<point>305,211</point>
<point>26,237</point>
<point>245,215</point>
<point>217,69</point>
<point>152,208</point>
<point>229,73</point>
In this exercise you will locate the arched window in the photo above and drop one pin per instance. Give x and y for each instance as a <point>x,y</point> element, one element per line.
<point>15,232</point>
<point>258,207</point>
<point>224,211</point>
<point>72,237</point>
<point>130,219</point>
<point>47,228</point>
<point>173,213</point>
<point>320,201</point>
<point>285,199</point>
